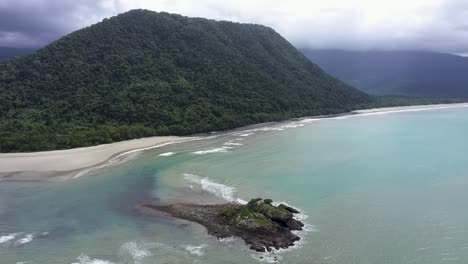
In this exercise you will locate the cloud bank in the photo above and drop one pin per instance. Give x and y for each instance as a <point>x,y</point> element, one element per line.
<point>437,25</point>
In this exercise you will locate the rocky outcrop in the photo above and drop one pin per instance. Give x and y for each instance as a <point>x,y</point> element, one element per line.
<point>262,225</point>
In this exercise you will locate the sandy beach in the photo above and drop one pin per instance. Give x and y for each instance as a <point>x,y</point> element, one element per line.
<point>53,163</point>
<point>78,158</point>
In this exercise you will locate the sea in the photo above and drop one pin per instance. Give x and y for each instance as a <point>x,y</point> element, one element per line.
<point>376,188</point>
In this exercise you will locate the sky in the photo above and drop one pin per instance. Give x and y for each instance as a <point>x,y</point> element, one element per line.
<point>436,25</point>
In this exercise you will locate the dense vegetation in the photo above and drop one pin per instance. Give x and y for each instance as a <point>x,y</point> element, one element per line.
<point>144,73</point>
<point>410,73</point>
<point>7,52</point>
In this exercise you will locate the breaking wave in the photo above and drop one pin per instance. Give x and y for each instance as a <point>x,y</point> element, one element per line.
<point>126,156</point>
<point>6,238</point>
<point>196,250</point>
<point>167,154</point>
<point>230,143</point>
<point>83,259</point>
<point>219,190</point>
<point>136,251</point>
<point>213,150</point>
<point>26,239</point>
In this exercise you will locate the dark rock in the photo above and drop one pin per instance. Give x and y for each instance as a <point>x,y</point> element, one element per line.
<point>290,209</point>
<point>262,226</point>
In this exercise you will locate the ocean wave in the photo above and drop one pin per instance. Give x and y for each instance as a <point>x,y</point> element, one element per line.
<point>26,239</point>
<point>301,216</point>
<point>167,154</point>
<point>230,143</point>
<point>196,250</point>
<point>276,127</point>
<point>114,161</point>
<point>136,251</point>
<point>213,150</point>
<point>219,190</point>
<point>129,155</point>
<point>228,240</point>
<point>309,120</point>
<point>9,237</point>
<point>83,259</point>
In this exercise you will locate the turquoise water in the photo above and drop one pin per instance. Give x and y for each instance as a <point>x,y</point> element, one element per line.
<point>381,189</point>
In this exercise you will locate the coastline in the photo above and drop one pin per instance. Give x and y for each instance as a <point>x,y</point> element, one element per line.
<point>36,165</point>
<point>66,163</point>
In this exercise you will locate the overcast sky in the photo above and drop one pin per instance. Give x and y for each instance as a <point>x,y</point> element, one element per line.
<point>438,25</point>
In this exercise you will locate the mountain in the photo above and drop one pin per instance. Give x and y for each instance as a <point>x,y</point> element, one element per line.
<point>6,52</point>
<point>144,73</point>
<point>412,73</point>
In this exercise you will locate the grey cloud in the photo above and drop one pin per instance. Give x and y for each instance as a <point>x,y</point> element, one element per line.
<point>38,22</point>
<point>438,25</point>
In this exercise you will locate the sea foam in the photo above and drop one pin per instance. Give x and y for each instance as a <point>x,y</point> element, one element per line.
<point>83,259</point>
<point>26,239</point>
<point>212,150</point>
<point>167,154</point>
<point>126,156</point>
<point>230,143</point>
<point>219,190</point>
<point>196,250</point>
<point>6,238</point>
<point>137,251</point>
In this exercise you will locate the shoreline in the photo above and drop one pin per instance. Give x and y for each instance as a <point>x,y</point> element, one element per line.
<point>66,164</point>
<point>69,162</point>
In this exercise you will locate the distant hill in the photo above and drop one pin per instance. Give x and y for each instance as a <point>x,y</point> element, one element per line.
<point>6,52</point>
<point>413,73</point>
<point>144,73</point>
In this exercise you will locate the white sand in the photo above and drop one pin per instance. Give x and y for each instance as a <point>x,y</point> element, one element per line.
<point>78,158</point>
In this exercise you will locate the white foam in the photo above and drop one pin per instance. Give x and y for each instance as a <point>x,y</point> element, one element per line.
<point>167,154</point>
<point>279,127</point>
<point>137,251</point>
<point>196,250</point>
<point>309,120</point>
<point>229,143</point>
<point>28,238</point>
<point>4,239</point>
<point>212,150</point>
<point>114,161</point>
<point>227,240</point>
<point>129,155</point>
<point>83,259</point>
<point>269,257</point>
<point>219,190</point>
<point>301,216</point>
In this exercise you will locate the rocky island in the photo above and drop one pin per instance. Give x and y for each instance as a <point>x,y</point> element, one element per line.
<point>259,223</point>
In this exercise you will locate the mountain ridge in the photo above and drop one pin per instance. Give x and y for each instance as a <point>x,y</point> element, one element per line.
<point>407,73</point>
<point>143,73</point>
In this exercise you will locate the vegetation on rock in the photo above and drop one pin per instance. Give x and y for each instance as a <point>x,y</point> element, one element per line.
<point>262,225</point>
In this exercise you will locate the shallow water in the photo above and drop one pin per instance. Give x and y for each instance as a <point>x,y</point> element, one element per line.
<point>373,189</point>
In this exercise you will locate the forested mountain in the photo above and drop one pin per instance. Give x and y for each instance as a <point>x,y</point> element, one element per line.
<point>144,73</point>
<point>413,73</point>
<point>6,52</point>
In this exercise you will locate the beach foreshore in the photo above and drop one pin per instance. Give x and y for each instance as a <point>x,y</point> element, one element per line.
<point>67,163</point>
<point>53,163</point>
